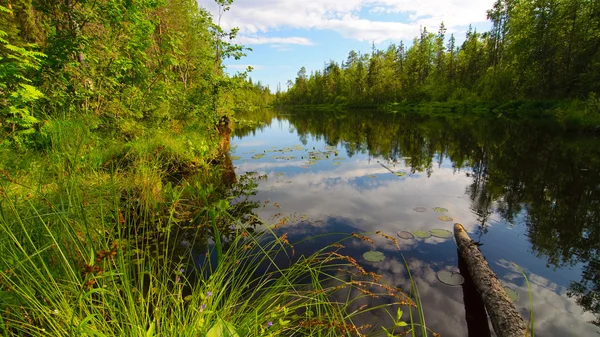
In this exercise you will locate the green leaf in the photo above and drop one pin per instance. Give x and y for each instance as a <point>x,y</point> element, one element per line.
<point>374,256</point>
<point>401,324</point>
<point>150,331</point>
<point>222,328</point>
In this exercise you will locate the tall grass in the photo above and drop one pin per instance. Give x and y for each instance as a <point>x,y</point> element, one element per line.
<point>61,276</point>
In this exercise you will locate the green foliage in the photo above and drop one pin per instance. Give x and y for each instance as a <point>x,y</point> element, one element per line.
<point>536,50</point>
<point>17,94</point>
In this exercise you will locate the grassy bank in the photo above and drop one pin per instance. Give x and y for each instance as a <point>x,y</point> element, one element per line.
<point>104,234</point>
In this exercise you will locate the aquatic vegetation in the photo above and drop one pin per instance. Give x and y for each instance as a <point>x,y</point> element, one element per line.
<point>440,210</point>
<point>258,156</point>
<point>450,278</point>
<point>405,235</point>
<point>284,157</point>
<point>444,218</point>
<point>441,233</point>
<point>420,209</point>
<point>421,234</point>
<point>400,174</point>
<point>373,176</point>
<point>235,157</point>
<point>374,256</point>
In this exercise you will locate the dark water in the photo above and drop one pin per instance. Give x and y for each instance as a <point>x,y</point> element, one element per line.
<point>526,190</point>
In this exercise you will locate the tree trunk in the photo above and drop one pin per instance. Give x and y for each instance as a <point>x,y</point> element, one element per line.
<point>228,172</point>
<point>475,315</point>
<point>506,320</point>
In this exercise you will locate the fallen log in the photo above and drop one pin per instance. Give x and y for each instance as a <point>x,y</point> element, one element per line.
<point>506,320</point>
<point>475,315</point>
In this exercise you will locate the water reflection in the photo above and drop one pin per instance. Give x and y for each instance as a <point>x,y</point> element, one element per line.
<point>527,191</point>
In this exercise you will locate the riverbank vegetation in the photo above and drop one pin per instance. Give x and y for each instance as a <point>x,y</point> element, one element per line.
<point>539,56</point>
<point>120,213</point>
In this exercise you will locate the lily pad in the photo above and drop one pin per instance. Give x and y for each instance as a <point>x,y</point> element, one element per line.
<point>405,235</point>
<point>512,294</point>
<point>258,156</point>
<point>450,278</point>
<point>374,256</point>
<point>441,233</point>
<point>440,209</point>
<point>419,209</point>
<point>337,163</point>
<point>400,174</point>
<point>421,234</point>
<point>284,157</point>
<point>444,218</point>
<point>373,176</point>
<point>235,157</point>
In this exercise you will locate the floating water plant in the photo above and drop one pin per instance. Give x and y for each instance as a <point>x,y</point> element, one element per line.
<point>444,218</point>
<point>405,235</point>
<point>421,234</point>
<point>440,209</point>
<point>419,209</point>
<point>336,163</point>
<point>372,176</point>
<point>512,294</point>
<point>374,256</point>
<point>258,156</point>
<point>441,233</point>
<point>235,157</point>
<point>284,157</point>
<point>400,174</point>
<point>450,278</point>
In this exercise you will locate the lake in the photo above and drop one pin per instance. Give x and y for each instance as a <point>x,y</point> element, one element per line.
<point>526,190</point>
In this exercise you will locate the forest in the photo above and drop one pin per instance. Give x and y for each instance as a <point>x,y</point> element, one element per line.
<point>122,61</point>
<point>122,214</point>
<point>541,50</point>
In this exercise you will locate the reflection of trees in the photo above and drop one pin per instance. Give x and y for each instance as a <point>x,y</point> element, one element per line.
<point>514,165</point>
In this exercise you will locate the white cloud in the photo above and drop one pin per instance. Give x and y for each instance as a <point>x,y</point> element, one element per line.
<point>250,40</point>
<point>344,17</point>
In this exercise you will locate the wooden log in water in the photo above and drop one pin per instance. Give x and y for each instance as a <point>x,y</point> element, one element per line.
<point>475,315</point>
<point>506,320</point>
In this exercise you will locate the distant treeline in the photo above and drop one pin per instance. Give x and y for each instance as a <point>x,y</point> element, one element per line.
<point>536,50</point>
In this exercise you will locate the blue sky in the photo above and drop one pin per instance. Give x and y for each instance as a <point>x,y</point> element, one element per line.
<point>287,34</point>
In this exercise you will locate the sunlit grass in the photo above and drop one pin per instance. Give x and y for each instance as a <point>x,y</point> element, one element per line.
<point>60,278</point>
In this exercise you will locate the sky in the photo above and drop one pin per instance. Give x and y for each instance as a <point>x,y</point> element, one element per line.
<point>285,35</point>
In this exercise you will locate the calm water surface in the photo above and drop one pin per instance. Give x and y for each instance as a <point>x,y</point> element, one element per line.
<point>527,191</point>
